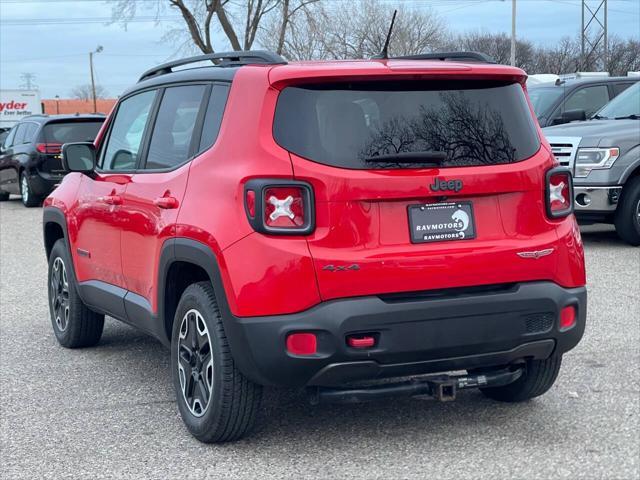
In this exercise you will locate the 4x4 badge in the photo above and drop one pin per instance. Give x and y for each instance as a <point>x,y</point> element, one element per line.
<point>536,254</point>
<point>341,268</point>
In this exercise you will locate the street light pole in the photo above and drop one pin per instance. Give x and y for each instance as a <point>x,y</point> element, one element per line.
<point>513,33</point>
<point>93,83</point>
<point>57,104</point>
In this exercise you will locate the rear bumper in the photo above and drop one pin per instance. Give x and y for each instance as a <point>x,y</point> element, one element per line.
<point>450,330</point>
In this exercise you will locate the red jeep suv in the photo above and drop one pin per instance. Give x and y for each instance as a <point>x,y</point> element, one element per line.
<point>322,225</point>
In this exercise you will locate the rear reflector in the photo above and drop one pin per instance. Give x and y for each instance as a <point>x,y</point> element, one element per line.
<point>49,148</point>
<point>302,343</point>
<point>361,341</point>
<point>559,193</point>
<point>567,317</point>
<point>250,200</point>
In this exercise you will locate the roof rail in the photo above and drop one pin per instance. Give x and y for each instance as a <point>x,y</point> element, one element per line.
<point>222,59</point>
<point>455,56</point>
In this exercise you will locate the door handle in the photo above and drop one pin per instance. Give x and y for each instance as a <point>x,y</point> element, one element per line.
<point>166,202</point>
<point>111,199</point>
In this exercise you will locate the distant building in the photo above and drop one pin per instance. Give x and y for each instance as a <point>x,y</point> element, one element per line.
<point>54,106</point>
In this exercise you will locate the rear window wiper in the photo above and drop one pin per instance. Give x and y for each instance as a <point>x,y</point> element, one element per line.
<point>633,116</point>
<point>431,157</point>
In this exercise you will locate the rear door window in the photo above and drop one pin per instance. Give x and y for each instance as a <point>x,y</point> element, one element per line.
<point>213,116</point>
<point>67,132</point>
<point>173,130</point>
<point>618,88</point>
<point>348,125</point>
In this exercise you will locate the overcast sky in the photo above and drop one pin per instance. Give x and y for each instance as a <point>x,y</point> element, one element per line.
<point>56,47</point>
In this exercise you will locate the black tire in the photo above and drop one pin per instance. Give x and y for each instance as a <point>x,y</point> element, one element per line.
<point>74,324</point>
<point>29,199</point>
<point>627,217</point>
<point>538,377</point>
<point>233,400</point>
<point>4,196</point>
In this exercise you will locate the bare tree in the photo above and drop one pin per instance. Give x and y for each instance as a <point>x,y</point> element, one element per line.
<point>356,29</point>
<point>623,56</point>
<point>239,20</point>
<point>84,92</point>
<point>497,46</point>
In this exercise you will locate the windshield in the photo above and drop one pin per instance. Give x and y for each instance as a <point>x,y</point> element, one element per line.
<point>543,98</point>
<point>624,105</point>
<point>350,125</point>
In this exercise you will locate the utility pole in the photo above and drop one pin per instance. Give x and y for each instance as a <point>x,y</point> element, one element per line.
<point>513,33</point>
<point>595,14</point>
<point>93,83</point>
<point>28,79</point>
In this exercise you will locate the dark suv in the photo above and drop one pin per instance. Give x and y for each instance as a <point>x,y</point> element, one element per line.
<point>575,99</point>
<point>30,156</point>
<point>318,224</point>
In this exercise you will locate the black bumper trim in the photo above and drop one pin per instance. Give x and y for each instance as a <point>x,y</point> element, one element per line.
<point>340,373</point>
<point>415,337</point>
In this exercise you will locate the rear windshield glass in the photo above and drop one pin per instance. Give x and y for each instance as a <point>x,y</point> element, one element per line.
<point>464,123</point>
<point>67,132</point>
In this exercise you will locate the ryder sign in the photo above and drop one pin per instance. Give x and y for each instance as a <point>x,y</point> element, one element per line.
<point>16,104</point>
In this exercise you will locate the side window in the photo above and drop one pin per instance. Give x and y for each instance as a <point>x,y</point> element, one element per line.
<point>618,88</point>
<point>20,134</point>
<point>173,129</point>
<point>125,138</point>
<point>9,140</point>
<point>213,116</point>
<point>589,99</point>
<point>30,132</point>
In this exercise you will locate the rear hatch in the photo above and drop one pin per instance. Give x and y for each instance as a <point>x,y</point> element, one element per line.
<point>58,132</point>
<point>419,184</point>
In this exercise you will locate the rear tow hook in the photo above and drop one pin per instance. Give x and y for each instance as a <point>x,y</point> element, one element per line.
<point>441,387</point>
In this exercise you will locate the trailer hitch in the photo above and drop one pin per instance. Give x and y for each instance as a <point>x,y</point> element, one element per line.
<point>441,387</point>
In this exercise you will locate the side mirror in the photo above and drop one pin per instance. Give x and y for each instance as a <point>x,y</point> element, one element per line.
<point>570,116</point>
<point>79,157</point>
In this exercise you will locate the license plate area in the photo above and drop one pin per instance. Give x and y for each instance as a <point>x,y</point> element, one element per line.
<point>441,222</point>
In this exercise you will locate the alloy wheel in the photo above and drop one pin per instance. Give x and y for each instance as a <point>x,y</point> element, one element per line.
<point>59,296</point>
<point>637,215</point>
<point>195,362</point>
<point>24,188</point>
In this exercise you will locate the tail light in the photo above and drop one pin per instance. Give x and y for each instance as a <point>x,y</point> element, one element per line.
<point>49,148</point>
<point>559,193</point>
<point>283,207</point>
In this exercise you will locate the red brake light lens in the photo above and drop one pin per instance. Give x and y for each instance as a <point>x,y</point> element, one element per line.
<point>559,193</point>
<point>302,343</point>
<point>567,317</point>
<point>284,207</point>
<point>49,148</point>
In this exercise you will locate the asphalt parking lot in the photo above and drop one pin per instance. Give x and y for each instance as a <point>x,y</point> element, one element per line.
<point>109,411</point>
